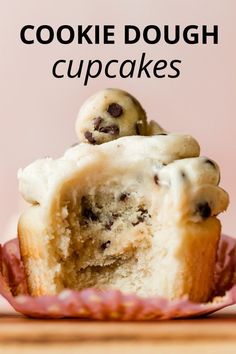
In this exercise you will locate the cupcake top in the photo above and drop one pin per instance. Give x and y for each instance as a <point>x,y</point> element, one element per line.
<point>166,162</point>
<point>170,163</point>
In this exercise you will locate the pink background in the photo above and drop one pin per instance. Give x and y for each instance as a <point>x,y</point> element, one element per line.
<point>38,112</point>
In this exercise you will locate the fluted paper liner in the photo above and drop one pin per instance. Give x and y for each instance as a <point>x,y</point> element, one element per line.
<point>114,305</point>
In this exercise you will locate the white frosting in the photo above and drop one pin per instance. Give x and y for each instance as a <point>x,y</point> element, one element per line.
<point>173,159</point>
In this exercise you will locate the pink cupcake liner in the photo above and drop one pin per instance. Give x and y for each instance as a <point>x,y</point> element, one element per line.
<point>113,305</point>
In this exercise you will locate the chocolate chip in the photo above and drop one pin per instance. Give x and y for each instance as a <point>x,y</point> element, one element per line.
<point>156,179</point>
<point>115,110</point>
<point>183,175</point>
<point>210,163</point>
<point>97,122</point>
<point>162,134</point>
<point>204,210</point>
<point>139,220</point>
<point>141,217</point>
<point>110,129</point>
<point>105,245</point>
<point>89,136</point>
<point>123,197</point>
<point>109,225</point>
<point>87,212</point>
<point>142,210</point>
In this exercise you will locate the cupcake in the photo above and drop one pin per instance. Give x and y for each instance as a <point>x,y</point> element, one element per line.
<point>133,209</point>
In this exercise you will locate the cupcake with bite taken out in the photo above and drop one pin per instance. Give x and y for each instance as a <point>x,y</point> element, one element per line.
<point>131,207</point>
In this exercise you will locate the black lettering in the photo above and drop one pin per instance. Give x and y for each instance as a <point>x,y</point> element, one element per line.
<point>172,65</point>
<point>213,34</point>
<point>22,34</point>
<point>55,67</point>
<point>97,34</point>
<point>136,37</point>
<point>157,34</point>
<point>143,66</point>
<point>160,65</point>
<point>71,34</point>
<point>39,31</point>
<point>167,35</point>
<point>130,73</point>
<point>88,72</point>
<point>78,73</point>
<point>109,33</point>
<point>83,34</point>
<point>107,69</point>
<point>193,37</point>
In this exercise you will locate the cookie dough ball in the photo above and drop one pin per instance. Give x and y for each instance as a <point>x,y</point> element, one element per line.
<point>108,115</point>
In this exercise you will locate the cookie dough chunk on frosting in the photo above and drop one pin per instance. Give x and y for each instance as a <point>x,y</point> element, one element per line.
<point>136,214</point>
<point>108,115</point>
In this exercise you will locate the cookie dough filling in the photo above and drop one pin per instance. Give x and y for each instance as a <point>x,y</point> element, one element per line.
<point>96,225</point>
